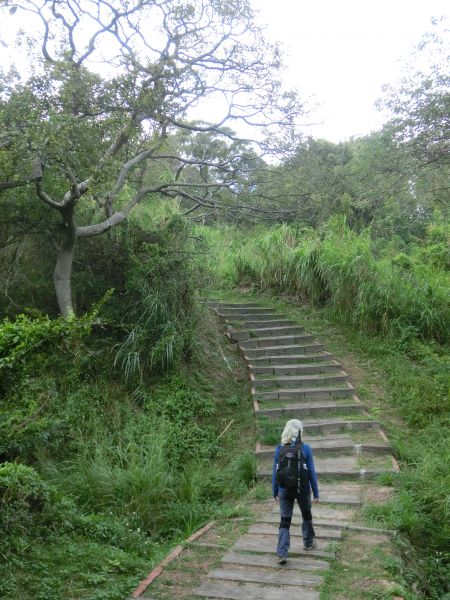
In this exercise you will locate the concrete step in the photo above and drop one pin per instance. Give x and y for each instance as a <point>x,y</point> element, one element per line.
<point>323,511</point>
<point>248,335</point>
<point>327,426</point>
<point>337,473</point>
<point>342,467</point>
<point>333,446</point>
<point>291,359</point>
<point>266,544</point>
<point>233,590</point>
<point>264,575</point>
<point>275,341</point>
<point>242,318</point>
<point>297,381</point>
<point>286,351</point>
<point>274,321</point>
<point>222,304</point>
<point>333,524</point>
<point>340,495</point>
<point>328,533</point>
<point>311,409</point>
<point>305,563</point>
<point>252,312</point>
<point>288,369</point>
<point>276,331</point>
<point>305,393</point>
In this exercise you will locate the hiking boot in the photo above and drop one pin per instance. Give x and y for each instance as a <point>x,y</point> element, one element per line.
<point>282,560</point>
<point>311,546</point>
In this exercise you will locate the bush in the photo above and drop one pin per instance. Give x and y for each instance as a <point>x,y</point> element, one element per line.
<point>337,268</point>
<point>23,495</point>
<point>156,307</point>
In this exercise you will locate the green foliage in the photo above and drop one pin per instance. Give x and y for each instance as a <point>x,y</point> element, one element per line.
<point>244,468</point>
<point>188,416</point>
<point>394,309</point>
<point>117,473</point>
<point>338,268</point>
<point>23,496</point>
<point>34,351</point>
<point>157,301</point>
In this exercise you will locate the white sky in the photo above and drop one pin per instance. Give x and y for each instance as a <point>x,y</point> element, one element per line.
<point>343,51</point>
<point>339,52</point>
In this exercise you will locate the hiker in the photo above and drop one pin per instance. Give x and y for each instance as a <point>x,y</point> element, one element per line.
<point>293,480</point>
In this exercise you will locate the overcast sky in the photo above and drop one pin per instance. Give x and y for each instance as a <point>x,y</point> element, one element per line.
<point>343,51</point>
<point>337,52</point>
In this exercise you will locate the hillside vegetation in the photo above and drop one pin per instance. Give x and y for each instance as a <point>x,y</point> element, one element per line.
<point>120,215</point>
<point>394,307</point>
<point>110,425</point>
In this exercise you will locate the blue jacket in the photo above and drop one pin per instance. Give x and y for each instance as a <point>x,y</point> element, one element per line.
<point>307,453</point>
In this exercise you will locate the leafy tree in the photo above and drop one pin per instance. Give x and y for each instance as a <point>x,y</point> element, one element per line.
<point>420,121</point>
<point>420,103</point>
<point>96,146</point>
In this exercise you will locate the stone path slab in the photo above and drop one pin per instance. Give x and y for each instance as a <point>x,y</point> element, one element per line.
<point>264,575</point>
<point>251,591</point>
<point>257,560</point>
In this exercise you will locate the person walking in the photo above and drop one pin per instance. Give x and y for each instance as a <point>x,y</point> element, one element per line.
<point>293,478</point>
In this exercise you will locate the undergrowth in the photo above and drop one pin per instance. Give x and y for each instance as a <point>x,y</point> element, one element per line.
<point>110,424</point>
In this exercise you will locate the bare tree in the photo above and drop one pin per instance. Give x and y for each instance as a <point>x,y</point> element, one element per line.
<point>103,142</point>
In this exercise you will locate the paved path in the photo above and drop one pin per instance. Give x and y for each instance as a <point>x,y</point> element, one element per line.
<point>293,376</point>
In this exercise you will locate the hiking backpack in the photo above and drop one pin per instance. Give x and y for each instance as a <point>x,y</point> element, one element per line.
<point>292,473</point>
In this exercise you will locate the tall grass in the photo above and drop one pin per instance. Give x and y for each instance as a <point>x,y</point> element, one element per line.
<point>396,307</point>
<point>338,268</point>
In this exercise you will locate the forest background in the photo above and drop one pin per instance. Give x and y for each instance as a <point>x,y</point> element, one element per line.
<point>121,214</point>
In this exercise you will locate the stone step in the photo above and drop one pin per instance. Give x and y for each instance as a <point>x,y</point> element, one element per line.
<point>321,512</point>
<point>220,304</point>
<point>262,332</point>
<point>327,533</point>
<point>252,312</point>
<point>264,575</point>
<point>305,393</point>
<point>334,472</point>
<point>333,524</point>
<point>273,322</point>
<point>291,359</point>
<point>332,463</point>
<point>273,519</point>
<point>275,341</point>
<point>245,315</point>
<point>335,446</point>
<point>294,369</point>
<point>285,351</point>
<point>341,446</point>
<point>329,426</point>
<point>244,335</point>
<point>316,439</point>
<point>266,544</point>
<point>258,560</point>
<point>297,380</point>
<point>229,590</point>
<point>340,495</point>
<point>311,409</point>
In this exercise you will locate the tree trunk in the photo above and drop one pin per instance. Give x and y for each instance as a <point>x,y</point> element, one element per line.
<point>62,275</point>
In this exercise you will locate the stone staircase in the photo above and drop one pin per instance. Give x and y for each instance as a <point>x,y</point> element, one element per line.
<point>293,376</point>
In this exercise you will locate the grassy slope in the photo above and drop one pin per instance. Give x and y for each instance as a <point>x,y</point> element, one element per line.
<point>96,553</point>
